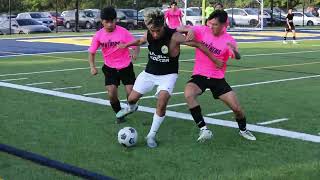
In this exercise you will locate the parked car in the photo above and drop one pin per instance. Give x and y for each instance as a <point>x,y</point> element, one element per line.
<point>38,16</point>
<point>305,19</point>
<point>57,18</point>
<point>128,18</point>
<point>23,26</point>
<point>192,18</point>
<point>87,19</point>
<point>277,18</point>
<point>245,17</point>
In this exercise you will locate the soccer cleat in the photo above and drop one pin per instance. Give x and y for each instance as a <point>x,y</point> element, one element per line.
<point>204,135</point>
<point>126,111</point>
<point>151,142</point>
<point>294,42</point>
<point>284,42</point>
<point>247,134</point>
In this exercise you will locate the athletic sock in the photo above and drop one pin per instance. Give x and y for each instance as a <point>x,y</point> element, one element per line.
<point>157,120</point>
<point>197,116</point>
<point>242,123</point>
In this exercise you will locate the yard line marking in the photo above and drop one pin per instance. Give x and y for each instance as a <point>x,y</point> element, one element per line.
<point>175,105</point>
<point>73,87</point>
<point>273,121</point>
<point>89,94</point>
<point>40,72</point>
<point>316,45</point>
<point>184,116</point>
<point>7,80</point>
<point>219,113</point>
<point>38,83</point>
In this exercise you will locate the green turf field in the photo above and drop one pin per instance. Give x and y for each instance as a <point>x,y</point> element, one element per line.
<point>272,81</point>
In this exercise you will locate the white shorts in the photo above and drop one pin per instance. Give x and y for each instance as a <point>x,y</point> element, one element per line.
<point>145,83</point>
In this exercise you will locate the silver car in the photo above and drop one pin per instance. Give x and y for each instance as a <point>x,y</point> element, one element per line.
<point>23,26</point>
<point>38,16</point>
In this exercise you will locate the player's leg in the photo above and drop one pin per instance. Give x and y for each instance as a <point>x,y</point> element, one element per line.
<point>231,100</point>
<point>294,36</point>
<point>165,88</point>
<point>285,35</point>
<point>142,85</point>
<point>194,88</point>
<point>158,117</point>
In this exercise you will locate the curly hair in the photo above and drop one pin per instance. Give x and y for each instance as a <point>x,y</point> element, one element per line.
<point>154,17</point>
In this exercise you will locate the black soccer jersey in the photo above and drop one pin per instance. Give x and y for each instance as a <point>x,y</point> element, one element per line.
<point>160,62</point>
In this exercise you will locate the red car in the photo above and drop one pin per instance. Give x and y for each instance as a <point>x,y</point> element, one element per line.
<point>57,18</point>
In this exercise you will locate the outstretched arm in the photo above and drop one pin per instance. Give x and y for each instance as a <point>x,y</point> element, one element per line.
<point>137,42</point>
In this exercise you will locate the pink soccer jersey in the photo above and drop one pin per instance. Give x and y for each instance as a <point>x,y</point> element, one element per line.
<point>113,56</point>
<point>174,18</point>
<point>217,46</point>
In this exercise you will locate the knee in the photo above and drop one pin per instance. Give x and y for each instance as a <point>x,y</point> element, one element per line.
<point>189,96</point>
<point>238,112</point>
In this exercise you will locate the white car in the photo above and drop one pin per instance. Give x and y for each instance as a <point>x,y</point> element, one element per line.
<point>38,16</point>
<point>308,19</point>
<point>243,16</point>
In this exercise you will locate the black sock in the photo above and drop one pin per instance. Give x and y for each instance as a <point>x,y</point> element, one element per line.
<point>197,116</point>
<point>284,38</point>
<point>294,38</point>
<point>242,123</point>
<point>116,106</point>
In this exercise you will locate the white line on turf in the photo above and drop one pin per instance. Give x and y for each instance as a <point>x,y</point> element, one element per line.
<point>40,72</point>
<point>89,94</point>
<point>184,116</point>
<point>38,83</point>
<point>175,105</point>
<point>63,88</point>
<point>219,113</point>
<point>18,79</point>
<point>273,121</point>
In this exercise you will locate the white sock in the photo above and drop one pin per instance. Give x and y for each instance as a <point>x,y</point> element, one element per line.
<point>157,120</point>
<point>132,106</point>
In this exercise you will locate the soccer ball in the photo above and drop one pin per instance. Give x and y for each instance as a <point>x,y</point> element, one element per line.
<point>127,136</point>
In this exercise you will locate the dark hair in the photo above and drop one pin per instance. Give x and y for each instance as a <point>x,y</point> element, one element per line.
<point>218,4</point>
<point>221,15</point>
<point>173,3</point>
<point>154,17</point>
<point>211,2</point>
<point>108,13</point>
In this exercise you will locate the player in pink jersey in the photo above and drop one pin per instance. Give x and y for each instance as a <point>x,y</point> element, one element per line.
<point>207,76</point>
<point>117,61</point>
<point>173,16</point>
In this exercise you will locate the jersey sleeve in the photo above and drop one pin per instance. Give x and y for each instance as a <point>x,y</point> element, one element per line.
<point>95,44</point>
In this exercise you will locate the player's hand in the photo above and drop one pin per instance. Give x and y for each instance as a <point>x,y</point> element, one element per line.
<point>219,64</point>
<point>122,46</point>
<point>190,36</point>
<point>94,71</point>
<point>133,56</point>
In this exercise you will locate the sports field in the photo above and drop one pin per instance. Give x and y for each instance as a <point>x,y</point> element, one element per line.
<point>52,106</point>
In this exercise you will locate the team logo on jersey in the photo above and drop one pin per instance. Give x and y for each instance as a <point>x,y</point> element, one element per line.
<point>164,49</point>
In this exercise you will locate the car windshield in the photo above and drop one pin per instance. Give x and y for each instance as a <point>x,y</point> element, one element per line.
<point>130,13</point>
<point>27,22</point>
<point>37,15</point>
<point>309,14</point>
<point>89,14</point>
<point>192,13</point>
<point>251,12</point>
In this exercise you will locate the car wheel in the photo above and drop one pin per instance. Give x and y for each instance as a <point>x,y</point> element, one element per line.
<point>67,25</point>
<point>130,26</point>
<point>189,23</point>
<point>309,23</point>
<point>21,32</point>
<point>1,33</point>
<point>253,22</point>
<point>88,25</point>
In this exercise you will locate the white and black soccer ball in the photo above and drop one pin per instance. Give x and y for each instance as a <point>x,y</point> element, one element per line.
<point>127,136</point>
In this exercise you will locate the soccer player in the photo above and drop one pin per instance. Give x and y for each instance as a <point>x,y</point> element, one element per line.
<point>290,28</point>
<point>117,62</point>
<point>207,76</point>
<point>173,16</point>
<point>161,70</point>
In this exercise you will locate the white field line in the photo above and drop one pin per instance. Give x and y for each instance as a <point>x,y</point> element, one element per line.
<point>219,113</point>
<point>273,121</point>
<point>316,45</point>
<point>40,72</point>
<point>63,88</point>
<point>38,83</point>
<point>175,105</point>
<point>18,79</point>
<point>184,116</point>
<point>89,94</point>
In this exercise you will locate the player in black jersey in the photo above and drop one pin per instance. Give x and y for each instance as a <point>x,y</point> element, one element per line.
<point>162,68</point>
<point>290,27</point>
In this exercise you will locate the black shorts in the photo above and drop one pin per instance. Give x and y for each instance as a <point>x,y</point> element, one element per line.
<point>114,76</point>
<point>292,27</point>
<point>218,87</point>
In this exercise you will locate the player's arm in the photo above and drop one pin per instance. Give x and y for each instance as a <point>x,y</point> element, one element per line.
<point>181,39</point>
<point>288,22</point>
<point>95,44</point>
<point>135,52</point>
<point>137,42</point>
<point>234,50</point>
<point>188,31</point>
